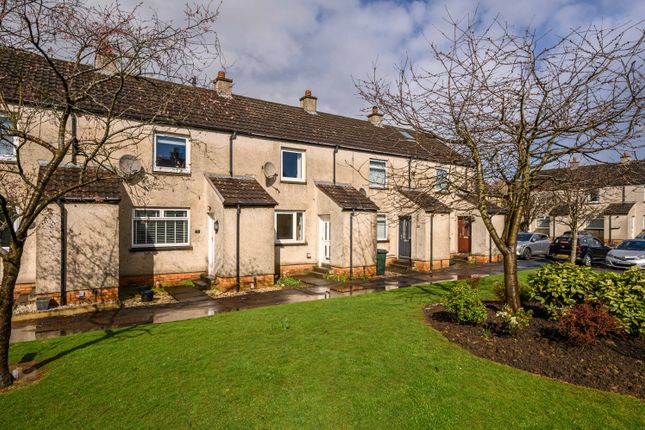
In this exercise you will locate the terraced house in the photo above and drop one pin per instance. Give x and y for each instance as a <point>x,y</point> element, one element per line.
<point>237,188</point>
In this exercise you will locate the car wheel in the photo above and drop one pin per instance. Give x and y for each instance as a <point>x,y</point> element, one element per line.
<point>587,260</point>
<point>526,254</point>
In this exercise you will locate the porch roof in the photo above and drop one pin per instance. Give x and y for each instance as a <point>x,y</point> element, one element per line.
<point>425,201</point>
<point>618,208</point>
<point>347,197</point>
<point>240,190</point>
<point>101,185</point>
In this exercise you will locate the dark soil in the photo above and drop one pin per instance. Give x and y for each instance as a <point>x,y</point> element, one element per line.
<point>616,364</point>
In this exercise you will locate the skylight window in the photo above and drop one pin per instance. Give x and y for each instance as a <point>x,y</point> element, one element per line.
<point>406,135</point>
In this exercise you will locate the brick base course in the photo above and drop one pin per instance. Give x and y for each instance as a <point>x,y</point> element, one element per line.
<point>356,271</point>
<point>296,269</point>
<point>246,282</point>
<point>22,289</point>
<point>424,266</point>
<point>165,279</point>
<point>102,295</point>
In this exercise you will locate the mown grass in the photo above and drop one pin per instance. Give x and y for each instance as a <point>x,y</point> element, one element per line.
<point>361,362</point>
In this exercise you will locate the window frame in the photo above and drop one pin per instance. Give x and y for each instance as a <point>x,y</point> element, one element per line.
<point>14,142</point>
<point>541,219</point>
<point>303,165</point>
<point>294,220</point>
<point>373,184</point>
<point>596,193</point>
<point>162,169</point>
<point>160,218</point>
<point>441,186</point>
<point>384,216</point>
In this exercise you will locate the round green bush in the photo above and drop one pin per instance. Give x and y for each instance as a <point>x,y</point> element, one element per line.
<point>464,304</point>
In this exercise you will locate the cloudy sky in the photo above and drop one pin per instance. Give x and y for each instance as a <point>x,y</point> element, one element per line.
<point>275,49</point>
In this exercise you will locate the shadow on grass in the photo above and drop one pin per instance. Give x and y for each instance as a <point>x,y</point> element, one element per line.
<point>129,332</point>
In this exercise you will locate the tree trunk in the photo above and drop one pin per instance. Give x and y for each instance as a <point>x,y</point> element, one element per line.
<point>511,283</point>
<point>11,267</point>
<point>574,244</point>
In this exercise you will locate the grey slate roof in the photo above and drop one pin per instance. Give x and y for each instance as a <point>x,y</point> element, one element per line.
<point>425,201</point>
<point>618,208</point>
<point>347,197</point>
<point>241,190</point>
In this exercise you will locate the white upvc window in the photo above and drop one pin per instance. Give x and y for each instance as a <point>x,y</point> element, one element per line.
<point>544,222</point>
<point>441,181</point>
<point>293,165</point>
<point>378,173</point>
<point>8,143</point>
<point>158,228</point>
<point>381,227</point>
<point>289,227</point>
<point>593,196</point>
<point>171,153</point>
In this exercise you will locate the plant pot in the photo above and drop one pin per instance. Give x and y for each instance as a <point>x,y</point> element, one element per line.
<point>147,295</point>
<point>42,303</point>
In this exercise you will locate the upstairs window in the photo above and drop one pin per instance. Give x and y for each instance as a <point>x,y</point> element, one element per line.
<point>441,181</point>
<point>544,222</point>
<point>8,142</point>
<point>160,227</point>
<point>289,227</point>
<point>593,196</point>
<point>172,154</point>
<point>293,165</point>
<point>378,173</point>
<point>381,227</point>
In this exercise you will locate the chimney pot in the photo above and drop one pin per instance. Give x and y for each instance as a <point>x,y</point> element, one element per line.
<point>223,85</point>
<point>309,102</point>
<point>574,162</point>
<point>376,118</point>
<point>625,158</point>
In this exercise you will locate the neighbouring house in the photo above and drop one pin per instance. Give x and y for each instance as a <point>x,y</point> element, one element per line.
<point>615,199</point>
<point>241,189</point>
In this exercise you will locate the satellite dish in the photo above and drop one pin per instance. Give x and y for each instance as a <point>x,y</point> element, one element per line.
<point>269,170</point>
<point>130,166</point>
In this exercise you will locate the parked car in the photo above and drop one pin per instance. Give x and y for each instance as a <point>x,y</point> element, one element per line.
<point>588,249</point>
<point>530,244</point>
<point>628,253</point>
<point>640,235</point>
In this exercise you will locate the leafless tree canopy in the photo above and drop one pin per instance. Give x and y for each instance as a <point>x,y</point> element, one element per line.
<point>106,49</point>
<point>515,103</point>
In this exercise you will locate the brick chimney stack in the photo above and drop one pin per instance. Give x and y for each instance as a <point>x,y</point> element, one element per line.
<point>626,158</point>
<point>375,117</point>
<point>223,85</point>
<point>574,162</point>
<point>105,60</point>
<point>309,102</point>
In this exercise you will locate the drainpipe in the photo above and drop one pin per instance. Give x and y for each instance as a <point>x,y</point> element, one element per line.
<point>490,248</point>
<point>335,152</point>
<point>231,138</point>
<point>431,244</point>
<point>74,139</point>
<point>351,245</point>
<point>410,173</point>
<point>237,250</point>
<point>63,252</point>
<point>609,230</point>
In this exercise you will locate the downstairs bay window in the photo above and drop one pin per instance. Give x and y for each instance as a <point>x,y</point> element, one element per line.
<point>158,228</point>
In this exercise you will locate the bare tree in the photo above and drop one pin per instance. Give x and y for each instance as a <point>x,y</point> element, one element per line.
<point>515,103</point>
<point>87,102</point>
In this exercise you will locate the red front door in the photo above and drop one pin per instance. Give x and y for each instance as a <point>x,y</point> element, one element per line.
<point>463,235</point>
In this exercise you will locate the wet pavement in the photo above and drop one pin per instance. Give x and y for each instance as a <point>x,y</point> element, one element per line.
<point>193,303</point>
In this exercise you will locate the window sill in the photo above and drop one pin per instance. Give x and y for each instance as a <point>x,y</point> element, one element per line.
<point>378,187</point>
<point>160,248</point>
<point>9,160</point>
<point>171,172</point>
<point>293,181</point>
<point>383,240</point>
<point>291,243</point>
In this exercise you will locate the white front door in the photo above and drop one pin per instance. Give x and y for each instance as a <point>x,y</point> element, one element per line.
<point>325,243</point>
<point>211,245</point>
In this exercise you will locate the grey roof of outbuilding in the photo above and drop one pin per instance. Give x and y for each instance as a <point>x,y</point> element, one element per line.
<point>425,201</point>
<point>241,190</point>
<point>618,208</point>
<point>347,197</point>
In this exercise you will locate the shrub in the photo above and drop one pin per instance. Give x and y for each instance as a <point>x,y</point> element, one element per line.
<point>583,324</point>
<point>337,277</point>
<point>287,281</point>
<point>500,291</point>
<point>464,303</point>
<point>561,286</point>
<point>513,321</point>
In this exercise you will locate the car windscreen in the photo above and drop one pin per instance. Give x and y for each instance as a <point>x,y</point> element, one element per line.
<point>632,245</point>
<point>524,237</point>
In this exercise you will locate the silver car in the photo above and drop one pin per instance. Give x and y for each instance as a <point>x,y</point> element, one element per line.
<point>530,244</point>
<point>628,253</point>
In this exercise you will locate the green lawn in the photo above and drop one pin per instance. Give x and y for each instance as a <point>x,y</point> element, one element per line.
<point>360,362</point>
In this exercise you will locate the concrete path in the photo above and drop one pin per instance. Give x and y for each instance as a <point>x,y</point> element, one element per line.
<point>194,303</point>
